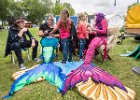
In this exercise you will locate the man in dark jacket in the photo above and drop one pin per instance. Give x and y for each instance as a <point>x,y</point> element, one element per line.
<point>17,40</point>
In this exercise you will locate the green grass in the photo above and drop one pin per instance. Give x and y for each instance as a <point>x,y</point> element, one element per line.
<point>120,67</point>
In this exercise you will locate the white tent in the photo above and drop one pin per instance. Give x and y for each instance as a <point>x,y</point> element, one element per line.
<point>115,19</point>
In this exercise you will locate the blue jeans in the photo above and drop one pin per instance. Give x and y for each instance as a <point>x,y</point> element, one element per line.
<point>82,43</point>
<point>65,49</point>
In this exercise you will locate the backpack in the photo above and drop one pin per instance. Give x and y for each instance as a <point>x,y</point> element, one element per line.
<point>73,33</point>
<point>73,37</point>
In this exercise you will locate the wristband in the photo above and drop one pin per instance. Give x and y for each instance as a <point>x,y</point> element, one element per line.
<point>32,37</point>
<point>45,34</point>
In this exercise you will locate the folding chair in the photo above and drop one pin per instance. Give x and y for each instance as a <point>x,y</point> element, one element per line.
<point>24,49</point>
<point>111,41</point>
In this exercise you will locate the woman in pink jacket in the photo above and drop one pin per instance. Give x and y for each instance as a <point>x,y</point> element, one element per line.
<point>64,25</point>
<point>100,31</point>
<point>82,34</point>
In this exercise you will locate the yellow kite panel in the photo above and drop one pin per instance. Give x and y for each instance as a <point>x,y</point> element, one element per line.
<point>133,17</point>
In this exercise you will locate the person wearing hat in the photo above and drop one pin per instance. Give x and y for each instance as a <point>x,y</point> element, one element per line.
<point>17,40</point>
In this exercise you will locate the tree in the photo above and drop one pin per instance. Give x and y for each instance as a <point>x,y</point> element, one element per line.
<point>69,7</point>
<point>16,9</point>
<point>4,9</point>
<point>10,8</point>
<point>35,10</point>
<point>59,6</point>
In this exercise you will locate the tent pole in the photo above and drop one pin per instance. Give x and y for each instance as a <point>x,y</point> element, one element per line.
<point>115,2</point>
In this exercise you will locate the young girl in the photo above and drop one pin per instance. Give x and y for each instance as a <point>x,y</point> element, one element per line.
<point>64,24</point>
<point>82,34</point>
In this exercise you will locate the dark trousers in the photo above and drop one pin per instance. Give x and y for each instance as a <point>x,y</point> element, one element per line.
<point>82,43</point>
<point>65,49</point>
<point>18,46</point>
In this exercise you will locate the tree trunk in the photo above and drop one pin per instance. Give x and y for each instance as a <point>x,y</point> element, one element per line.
<point>2,22</point>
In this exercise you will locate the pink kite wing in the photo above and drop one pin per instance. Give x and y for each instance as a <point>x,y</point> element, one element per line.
<point>85,71</point>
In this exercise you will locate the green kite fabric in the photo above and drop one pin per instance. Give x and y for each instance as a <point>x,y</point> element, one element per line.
<point>135,53</point>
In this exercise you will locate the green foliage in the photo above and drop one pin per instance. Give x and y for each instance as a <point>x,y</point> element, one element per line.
<point>4,9</point>
<point>36,10</point>
<point>10,8</point>
<point>69,7</point>
<point>122,29</point>
<point>58,6</point>
<point>16,9</point>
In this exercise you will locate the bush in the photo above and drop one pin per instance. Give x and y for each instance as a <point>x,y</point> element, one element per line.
<point>122,29</point>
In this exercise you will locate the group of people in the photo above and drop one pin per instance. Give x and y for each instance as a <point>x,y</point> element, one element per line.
<point>64,24</point>
<point>67,75</point>
<point>63,30</point>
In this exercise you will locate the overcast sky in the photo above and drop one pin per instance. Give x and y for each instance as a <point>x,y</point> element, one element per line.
<point>106,6</point>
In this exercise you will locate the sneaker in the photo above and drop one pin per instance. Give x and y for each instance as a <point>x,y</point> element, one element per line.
<point>22,67</point>
<point>81,59</point>
<point>63,61</point>
<point>37,59</point>
<point>70,61</point>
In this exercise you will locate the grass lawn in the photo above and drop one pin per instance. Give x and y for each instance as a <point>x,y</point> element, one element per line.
<point>120,67</point>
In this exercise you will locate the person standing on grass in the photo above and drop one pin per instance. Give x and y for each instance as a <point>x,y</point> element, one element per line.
<point>64,24</point>
<point>82,34</point>
<point>17,40</point>
<point>72,38</point>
